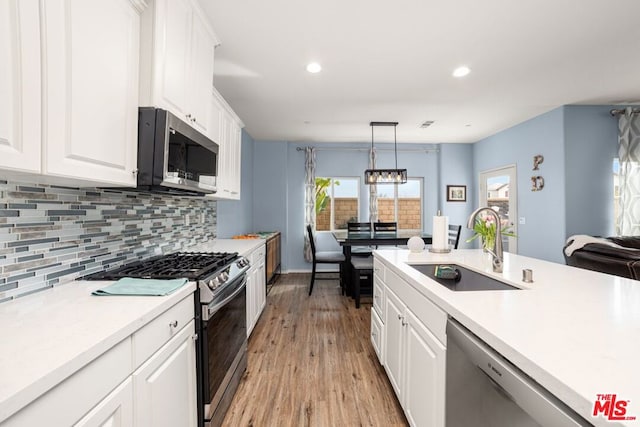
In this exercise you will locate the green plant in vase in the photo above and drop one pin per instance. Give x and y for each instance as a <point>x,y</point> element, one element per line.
<point>485,229</point>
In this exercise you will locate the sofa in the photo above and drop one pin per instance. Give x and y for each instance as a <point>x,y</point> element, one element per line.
<point>622,260</point>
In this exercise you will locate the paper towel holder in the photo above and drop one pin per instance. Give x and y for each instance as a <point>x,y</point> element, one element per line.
<point>439,250</point>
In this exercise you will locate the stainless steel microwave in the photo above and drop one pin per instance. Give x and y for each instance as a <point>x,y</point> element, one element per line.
<point>173,157</point>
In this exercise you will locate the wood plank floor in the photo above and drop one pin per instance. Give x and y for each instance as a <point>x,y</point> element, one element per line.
<point>311,363</point>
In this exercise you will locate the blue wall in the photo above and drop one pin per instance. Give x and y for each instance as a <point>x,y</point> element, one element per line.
<point>279,187</point>
<point>236,216</point>
<point>578,144</point>
<point>590,146</point>
<point>543,235</point>
<point>456,168</point>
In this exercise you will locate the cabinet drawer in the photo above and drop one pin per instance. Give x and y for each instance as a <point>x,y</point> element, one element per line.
<point>257,255</point>
<point>376,335</point>
<point>161,329</point>
<point>70,400</point>
<point>378,296</point>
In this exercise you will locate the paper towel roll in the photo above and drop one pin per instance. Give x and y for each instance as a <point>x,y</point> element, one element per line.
<point>440,233</point>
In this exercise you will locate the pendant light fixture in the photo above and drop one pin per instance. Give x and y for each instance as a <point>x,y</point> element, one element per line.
<point>386,176</point>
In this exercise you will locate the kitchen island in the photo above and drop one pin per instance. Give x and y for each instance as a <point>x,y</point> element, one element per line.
<point>575,332</point>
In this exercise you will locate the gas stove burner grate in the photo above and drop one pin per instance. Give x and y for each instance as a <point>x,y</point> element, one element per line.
<point>190,265</point>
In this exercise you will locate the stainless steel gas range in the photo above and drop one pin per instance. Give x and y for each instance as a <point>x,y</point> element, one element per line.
<point>220,312</point>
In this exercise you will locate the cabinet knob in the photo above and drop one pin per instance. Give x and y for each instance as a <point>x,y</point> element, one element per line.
<point>399,316</point>
<point>404,323</point>
<point>173,324</point>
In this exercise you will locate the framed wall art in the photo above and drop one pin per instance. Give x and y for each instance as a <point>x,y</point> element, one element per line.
<point>456,193</point>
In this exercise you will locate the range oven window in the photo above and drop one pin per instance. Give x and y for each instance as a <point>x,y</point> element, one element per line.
<point>190,160</point>
<point>224,335</point>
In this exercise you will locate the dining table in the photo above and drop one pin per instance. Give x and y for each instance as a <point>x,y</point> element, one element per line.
<point>348,239</point>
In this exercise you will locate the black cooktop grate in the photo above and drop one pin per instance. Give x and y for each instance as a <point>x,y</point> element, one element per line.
<point>190,265</point>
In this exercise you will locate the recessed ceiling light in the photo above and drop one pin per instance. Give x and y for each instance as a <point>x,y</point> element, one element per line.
<point>314,67</point>
<point>461,71</point>
<point>468,125</point>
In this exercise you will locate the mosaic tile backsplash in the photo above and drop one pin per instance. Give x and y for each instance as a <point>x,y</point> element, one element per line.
<point>51,235</point>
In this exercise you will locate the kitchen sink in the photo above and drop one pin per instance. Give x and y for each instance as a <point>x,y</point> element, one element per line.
<point>466,280</point>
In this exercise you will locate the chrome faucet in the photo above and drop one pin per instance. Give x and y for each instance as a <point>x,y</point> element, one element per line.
<point>497,254</point>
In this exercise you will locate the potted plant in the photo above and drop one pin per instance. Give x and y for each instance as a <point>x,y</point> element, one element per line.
<point>485,229</point>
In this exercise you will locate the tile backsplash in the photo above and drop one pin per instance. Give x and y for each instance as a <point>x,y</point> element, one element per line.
<point>51,235</point>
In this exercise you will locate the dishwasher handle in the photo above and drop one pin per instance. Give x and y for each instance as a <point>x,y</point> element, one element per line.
<point>513,384</point>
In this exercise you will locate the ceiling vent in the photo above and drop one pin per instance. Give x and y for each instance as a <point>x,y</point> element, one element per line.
<point>426,124</point>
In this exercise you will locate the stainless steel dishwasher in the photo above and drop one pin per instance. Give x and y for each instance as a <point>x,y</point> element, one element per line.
<point>484,389</point>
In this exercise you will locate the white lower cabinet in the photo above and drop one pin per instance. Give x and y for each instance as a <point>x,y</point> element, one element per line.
<point>256,287</point>
<point>414,357</point>
<point>424,377</point>
<point>165,385</point>
<point>376,334</point>
<point>115,410</point>
<point>128,385</point>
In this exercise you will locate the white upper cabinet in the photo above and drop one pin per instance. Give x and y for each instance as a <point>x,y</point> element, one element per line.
<point>176,62</point>
<point>20,124</point>
<point>90,87</point>
<point>226,129</point>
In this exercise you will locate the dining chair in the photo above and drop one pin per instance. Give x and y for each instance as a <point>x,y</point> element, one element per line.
<point>383,227</point>
<point>454,235</point>
<point>324,257</point>
<point>362,277</point>
<point>360,227</point>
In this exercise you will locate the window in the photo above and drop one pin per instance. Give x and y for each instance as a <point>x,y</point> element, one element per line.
<point>337,202</point>
<point>401,204</point>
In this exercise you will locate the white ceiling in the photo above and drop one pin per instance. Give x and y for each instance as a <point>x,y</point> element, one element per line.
<point>392,61</point>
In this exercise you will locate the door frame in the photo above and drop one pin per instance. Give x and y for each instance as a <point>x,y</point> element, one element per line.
<point>512,171</point>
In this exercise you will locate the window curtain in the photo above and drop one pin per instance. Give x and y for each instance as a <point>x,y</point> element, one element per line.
<point>629,155</point>
<point>309,198</point>
<point>373,189</point>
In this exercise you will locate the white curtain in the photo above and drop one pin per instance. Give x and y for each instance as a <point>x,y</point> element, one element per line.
<point>309,198</point>
<point>373,189</point>
<point>629,155</point>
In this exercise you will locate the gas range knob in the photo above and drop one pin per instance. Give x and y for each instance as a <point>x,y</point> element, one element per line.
<point>214,283</point>
<point>224,276</point>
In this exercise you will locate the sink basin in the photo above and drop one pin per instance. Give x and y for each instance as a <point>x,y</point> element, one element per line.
<point>467,280</point>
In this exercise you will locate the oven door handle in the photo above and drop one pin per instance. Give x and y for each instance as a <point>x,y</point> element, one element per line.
<point>211,310</point>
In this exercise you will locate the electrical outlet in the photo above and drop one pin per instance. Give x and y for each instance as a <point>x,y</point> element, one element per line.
<point>202,217</point>
<point>186,219</point>
<point>522,220</point>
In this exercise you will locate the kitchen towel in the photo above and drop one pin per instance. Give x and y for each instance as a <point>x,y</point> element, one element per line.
<point>440,239</point>
<point>148,287</point>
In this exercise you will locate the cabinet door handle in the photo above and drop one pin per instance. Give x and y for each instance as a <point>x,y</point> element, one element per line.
<point>173,324</point>
<point>373,334</point>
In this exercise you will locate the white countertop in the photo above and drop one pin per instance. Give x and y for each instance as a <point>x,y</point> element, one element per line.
<point>574,331</point>
<point>47,336</point>
<point>242,246</point>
